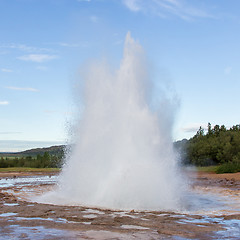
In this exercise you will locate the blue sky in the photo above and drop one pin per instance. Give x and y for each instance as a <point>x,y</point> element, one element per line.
<point>192,44</point>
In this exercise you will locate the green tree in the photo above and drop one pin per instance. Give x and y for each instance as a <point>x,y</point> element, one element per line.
<point>210,131</point>
<point>46,160</point>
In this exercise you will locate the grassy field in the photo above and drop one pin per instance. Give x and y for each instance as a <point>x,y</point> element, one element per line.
<point>23,169</point>
<point>207,169</point>
<point>224,168</point>
<point>14,157</point>
<point>214,169</point>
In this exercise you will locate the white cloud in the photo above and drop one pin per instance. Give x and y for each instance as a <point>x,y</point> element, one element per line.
<point>23,89</point>
<point>4,102</point>
<point>64,44</point>
<point>228,70</point>
<point>72,45</point>
<point>133,5</point>
<point>193,127</point>
<point>190,129</point>
<point>6,70</point>
<point>164,8</point>
<point>24,47</point>
<point>37,57</point>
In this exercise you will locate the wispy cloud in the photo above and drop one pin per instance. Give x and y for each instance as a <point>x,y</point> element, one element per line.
<point>7,70</point>
<point>24,47</point>
<point>37,57</point>
<point>193,127</point>
<point>164,8</point>
<point>23,89</point>
<point>4,102</point>
<point>72,45</point>
<point>133,5</point>
<point>69,44</point>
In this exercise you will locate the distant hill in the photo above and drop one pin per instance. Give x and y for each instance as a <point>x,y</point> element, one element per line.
<point>53,150</point>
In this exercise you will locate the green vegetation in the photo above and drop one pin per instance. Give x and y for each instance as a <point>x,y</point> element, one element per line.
<point>219,147</point>
<point>36,158</point>
<point>23,169</point>
<point>207,169</point>
<point>228,168</point>
<point>216,151</point>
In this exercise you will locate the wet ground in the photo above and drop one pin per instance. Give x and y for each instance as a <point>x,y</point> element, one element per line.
<point>214,213</point>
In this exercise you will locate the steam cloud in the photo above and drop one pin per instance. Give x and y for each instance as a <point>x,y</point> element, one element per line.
<point>123,157</point>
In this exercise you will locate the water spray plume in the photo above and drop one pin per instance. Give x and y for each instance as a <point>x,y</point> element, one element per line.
<point>123,155</point>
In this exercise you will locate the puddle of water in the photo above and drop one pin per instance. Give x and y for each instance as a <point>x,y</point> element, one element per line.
<point>9,214</point>
<point>207,202</point>
<point>90,216</point>
<point>25,181</point>
<point>134,227</point>
<point>125,214</point>
<point>59,220</point>
<point>11,204</point>
<point>94,211</point>
<point>162,214</point>
<point>36,233</point>
<point>232,229</point>
<point>202,220</point>
<point>103,235</point>
<point>40,233</point>
<point>202,201</point>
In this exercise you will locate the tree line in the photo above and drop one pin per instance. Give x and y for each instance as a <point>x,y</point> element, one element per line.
<point>218,146</point>
<point>45,160</point>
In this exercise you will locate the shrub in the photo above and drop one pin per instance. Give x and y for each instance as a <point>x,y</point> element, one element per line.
<point>229,168</point>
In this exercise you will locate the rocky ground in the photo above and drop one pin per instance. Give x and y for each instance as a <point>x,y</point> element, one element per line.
<point>23,219</point>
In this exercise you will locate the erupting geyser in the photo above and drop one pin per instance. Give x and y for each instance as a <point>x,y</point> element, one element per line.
<point>123,157</point>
